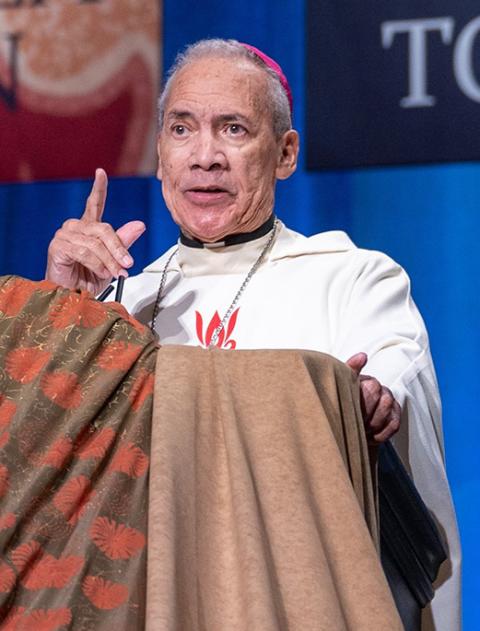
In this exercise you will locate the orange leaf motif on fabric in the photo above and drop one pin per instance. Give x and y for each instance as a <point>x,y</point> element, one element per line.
<point>4,480</point>
<point>7,411</point>
<point>104,594</point>
<point>118,356</point>
<point>26,554</point>
<point>141,389</point>
<point>7,578</point>
<point>73,497</point>
<point>115,540</point>
<point>7,521</point>
<point>98,445</point>
<point>65,311</point>
<point>131,460</point>
<point>92,313</point>
<point>46,619</point>
<point>79,310</point>
<point>14,295</point>
<point>58,453</point>
<point>49,572</point>
<point>24,364</point>
<point>62,388</point>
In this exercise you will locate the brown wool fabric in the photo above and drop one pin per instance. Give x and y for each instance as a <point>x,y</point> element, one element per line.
<point>255,511</point>
<point>254,523</point>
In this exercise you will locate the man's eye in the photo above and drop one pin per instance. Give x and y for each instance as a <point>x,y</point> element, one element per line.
<point>179,130</point>
<point>235,129</point>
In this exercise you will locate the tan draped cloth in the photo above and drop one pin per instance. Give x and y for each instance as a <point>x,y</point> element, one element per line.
<point>245,505</point>
<point>261,497</point>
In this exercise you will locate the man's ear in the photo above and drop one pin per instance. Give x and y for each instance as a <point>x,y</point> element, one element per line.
<point>288,148</point>
<point>159,168</point>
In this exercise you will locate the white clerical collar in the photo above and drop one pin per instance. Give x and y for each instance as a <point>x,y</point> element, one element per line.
<point>231,239</point>
<point>235,259</point>
<point>233,256</point>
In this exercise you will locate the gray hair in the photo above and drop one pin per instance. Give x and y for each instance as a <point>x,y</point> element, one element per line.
<point>280,107</point>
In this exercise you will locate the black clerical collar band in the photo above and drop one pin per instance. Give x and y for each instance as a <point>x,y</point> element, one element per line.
<point>231,239</point>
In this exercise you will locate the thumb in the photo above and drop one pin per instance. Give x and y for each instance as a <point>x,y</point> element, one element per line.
<point>357,362</point>
<point>130,232</point>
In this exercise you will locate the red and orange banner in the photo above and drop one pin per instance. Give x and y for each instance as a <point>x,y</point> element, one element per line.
<point>78,87</point>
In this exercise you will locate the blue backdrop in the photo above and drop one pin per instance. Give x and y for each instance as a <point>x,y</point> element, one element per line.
<point>425,217</point>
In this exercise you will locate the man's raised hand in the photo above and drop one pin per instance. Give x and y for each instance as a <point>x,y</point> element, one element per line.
<point>86,253</point>
<point>380,410</point>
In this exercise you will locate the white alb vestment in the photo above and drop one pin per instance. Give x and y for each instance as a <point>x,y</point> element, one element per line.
<point>319,293</point>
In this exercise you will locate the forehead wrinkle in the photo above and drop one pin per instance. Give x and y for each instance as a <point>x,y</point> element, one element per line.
<point>238,73</point>
<point>215,112</point>
<point>210,87</point>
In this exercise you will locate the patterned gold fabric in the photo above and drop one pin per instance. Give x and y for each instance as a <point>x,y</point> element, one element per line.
<point>76,383</point>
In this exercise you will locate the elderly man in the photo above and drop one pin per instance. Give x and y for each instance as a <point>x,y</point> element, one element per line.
<point>238,278</point>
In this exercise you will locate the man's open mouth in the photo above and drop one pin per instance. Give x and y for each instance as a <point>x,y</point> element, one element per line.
<point>207,194</point>
<point>208,189</point>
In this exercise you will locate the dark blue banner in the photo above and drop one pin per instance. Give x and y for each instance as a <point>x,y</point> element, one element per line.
<point>392,82</point>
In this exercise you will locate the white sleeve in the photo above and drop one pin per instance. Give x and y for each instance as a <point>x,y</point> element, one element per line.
<point>380,318</point>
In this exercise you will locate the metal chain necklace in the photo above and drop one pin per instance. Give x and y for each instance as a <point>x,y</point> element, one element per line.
<point>229,311</point>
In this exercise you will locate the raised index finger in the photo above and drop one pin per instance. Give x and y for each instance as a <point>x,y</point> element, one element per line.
<point>96,200</point>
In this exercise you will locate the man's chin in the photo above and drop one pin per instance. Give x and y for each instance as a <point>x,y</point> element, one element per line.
<point>206,236</point>
<point>208,231</point>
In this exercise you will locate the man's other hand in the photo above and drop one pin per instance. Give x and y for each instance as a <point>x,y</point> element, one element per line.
<point>381,411</point>
<point>86,253</point>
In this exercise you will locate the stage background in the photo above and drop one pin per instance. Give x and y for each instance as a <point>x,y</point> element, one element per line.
<point>426,217</point>
<point>77,75</point>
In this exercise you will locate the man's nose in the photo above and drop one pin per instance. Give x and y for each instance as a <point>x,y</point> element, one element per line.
<point>207,153</point>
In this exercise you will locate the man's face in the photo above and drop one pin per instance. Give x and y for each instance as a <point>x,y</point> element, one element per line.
<point>218,155</point>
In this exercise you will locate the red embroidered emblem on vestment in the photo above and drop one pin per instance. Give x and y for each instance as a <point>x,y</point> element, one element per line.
<point>223,340</point>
